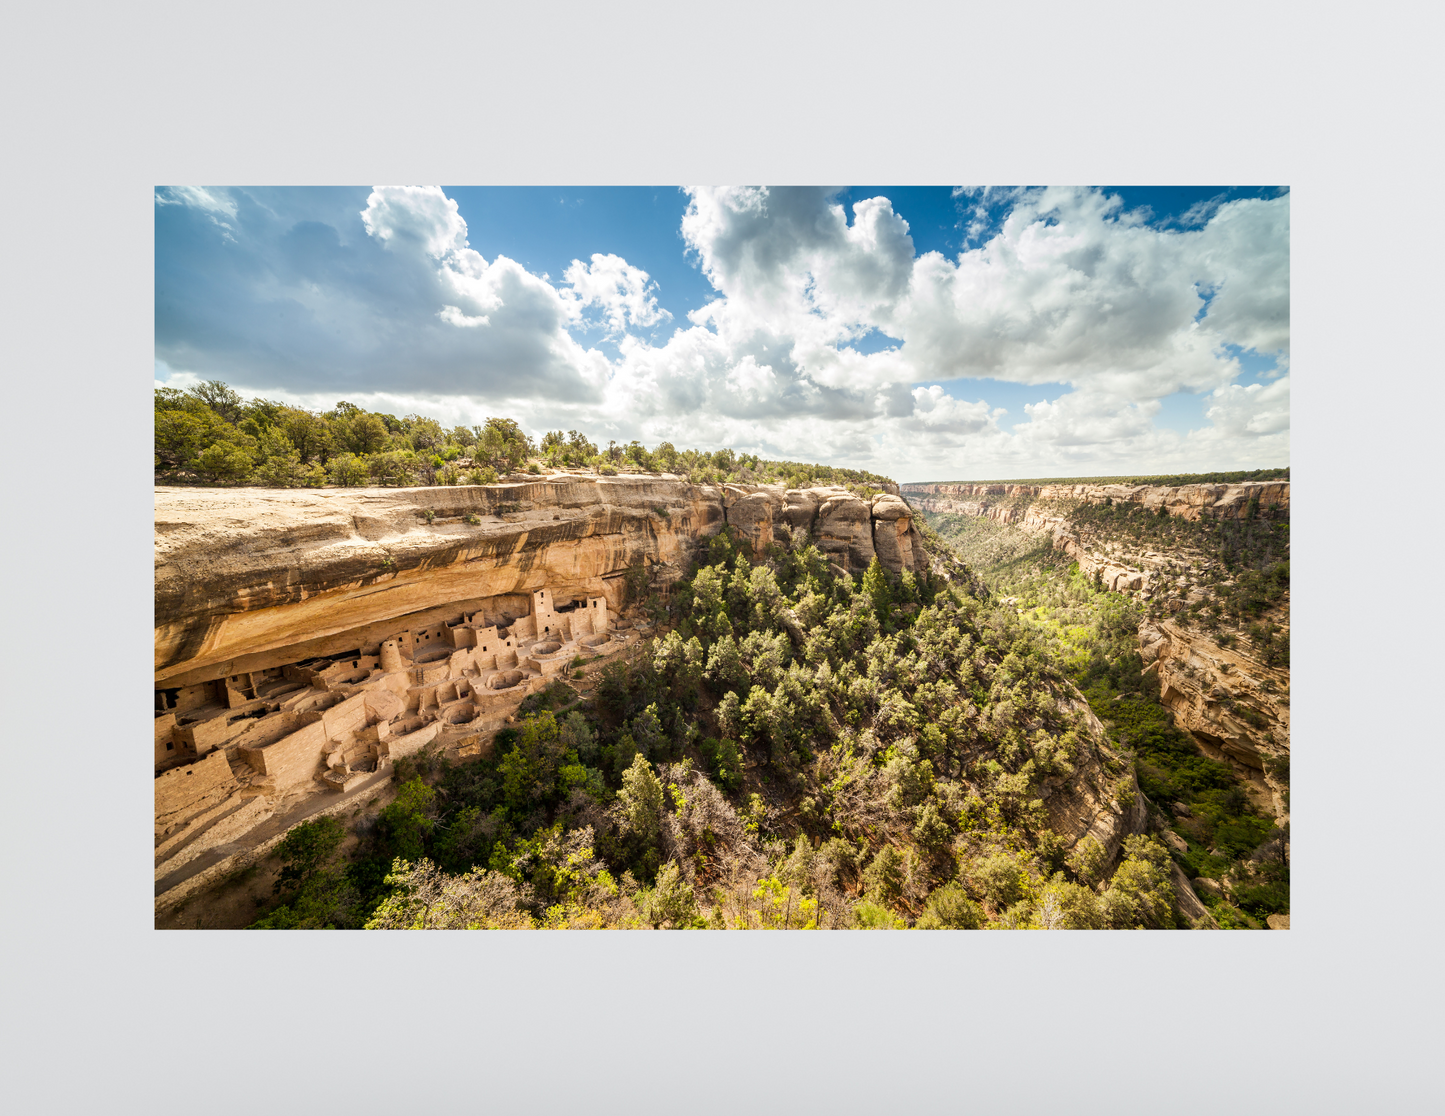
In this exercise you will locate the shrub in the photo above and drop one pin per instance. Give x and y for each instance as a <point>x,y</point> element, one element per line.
<point>224,462</point>
<point>883,878</point>
<point>308,846</point>
<point>670,903</point>
<point>1000,878</point>
<point>1140,893</point>
<point>428,515</point>
<point>578,736</point>
<point>868,915</point>
<point>931,832</point>
<point>1087,860</point>
<point>348,470</point>
<point>408,820</point>
<point>1068,906</point>
<point>949,908</point>
<point>641,800</point>
<point>724,760</point>
<point>1263,899</point>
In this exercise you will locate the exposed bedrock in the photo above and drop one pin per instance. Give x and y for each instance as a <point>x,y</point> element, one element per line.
<point>1235,707</point>
<point>249,578</point>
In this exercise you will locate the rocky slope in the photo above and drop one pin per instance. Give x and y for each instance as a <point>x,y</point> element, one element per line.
<point>250,578</point>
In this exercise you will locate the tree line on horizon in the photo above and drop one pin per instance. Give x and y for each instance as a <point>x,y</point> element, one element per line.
<point>208,434</point>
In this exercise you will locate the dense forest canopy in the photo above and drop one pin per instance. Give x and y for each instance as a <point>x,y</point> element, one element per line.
<point>208,434</point>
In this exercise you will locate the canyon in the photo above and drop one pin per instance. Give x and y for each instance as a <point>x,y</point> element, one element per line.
<point>1219,688</point>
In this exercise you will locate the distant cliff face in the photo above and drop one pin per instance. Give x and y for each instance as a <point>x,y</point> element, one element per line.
<point>1008,503</point>
<point>1045,508</point>
<point>248,578</point>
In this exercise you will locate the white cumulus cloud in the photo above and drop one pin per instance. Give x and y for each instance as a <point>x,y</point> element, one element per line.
<point>624,293</point>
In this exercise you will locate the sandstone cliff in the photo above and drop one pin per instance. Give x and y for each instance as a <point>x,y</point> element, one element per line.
<point>1190,501</point>
<point>247,579</point>
<point>307,640</point>
<point>1234,706</point>
<point>1046,509</point>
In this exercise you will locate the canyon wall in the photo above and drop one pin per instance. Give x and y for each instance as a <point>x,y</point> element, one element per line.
<point>1011,503</point>
<point>306,640</point>
<point>249,579</point>
<point>1234,706</point>
<point>1045,509</point>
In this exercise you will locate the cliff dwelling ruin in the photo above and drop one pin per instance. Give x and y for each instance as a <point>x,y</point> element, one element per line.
<point>339,718</point>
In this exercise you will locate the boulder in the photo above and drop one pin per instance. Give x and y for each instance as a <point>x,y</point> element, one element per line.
<point>1188,903</point>
<point>1277,922</point>
<point>1176,842</point>
<point>1205,886</point>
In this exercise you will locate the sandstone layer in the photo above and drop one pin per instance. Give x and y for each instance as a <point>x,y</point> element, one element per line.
<point>1234,706</point>
<point>250,578</point>
<point>1121,568</point>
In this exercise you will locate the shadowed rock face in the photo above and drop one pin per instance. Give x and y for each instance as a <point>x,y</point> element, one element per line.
<point>248,578</point>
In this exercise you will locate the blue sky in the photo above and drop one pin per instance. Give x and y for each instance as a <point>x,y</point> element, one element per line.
<point>929,332</point>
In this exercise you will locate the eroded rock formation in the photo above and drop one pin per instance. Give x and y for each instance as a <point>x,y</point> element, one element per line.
<point>1189,501</point>
<point>1120,567</point>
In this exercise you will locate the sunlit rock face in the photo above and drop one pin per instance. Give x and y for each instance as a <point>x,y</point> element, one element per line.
<point>1190,501</point>
<point>250,578</point>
